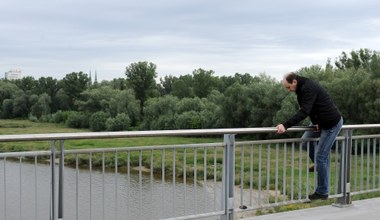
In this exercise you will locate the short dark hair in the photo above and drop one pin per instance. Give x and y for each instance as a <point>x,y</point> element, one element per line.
<point>290,77</point>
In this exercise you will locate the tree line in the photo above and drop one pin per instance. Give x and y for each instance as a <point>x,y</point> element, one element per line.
<point>191,101</point>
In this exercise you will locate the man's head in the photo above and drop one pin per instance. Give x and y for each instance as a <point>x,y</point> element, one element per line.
<point>290,81</point>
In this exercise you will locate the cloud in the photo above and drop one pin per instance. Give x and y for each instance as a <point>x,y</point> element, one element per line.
<point>54,38</point>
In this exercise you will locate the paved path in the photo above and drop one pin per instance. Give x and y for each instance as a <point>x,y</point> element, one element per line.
<point>368,209</point>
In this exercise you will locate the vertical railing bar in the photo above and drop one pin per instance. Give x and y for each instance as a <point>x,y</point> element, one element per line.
<point>173,167</point>
<point>276,179</point>
<point>268,174</point>
<point>343,162</point>
<point>362,165</point>
<point>214,178</point>
<point>205,175</point>
<point>116,184</point>
<point>195,179</point>
<point>77,186</point>
<point>259,176</point>
<point>20,162</point>
<point>374,164</point>
<point>368,160</point>
<point>103,185</point>
<point>307,168</point>
<point>379,163</point>
<point>284,174</point>
<point>315,164</point>
<point>129,185</point>
<point>300,173</point>
<point>140,184</point>
<point>292,175</point>
<point>151,183</point>
<point>52,189</point>
<point>35,189</point>
<point>90,167</point>
<point>5,188</point>
<point>251,176</point>
<point>61,179</point>
<point>163,183</point>
<point>241,175</point>
<point>184,181</point>
<point>356,166</point>
<point>336,182</point>
<point>90,164</point>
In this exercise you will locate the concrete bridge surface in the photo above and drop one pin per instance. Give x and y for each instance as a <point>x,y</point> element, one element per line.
<point>368,209</point>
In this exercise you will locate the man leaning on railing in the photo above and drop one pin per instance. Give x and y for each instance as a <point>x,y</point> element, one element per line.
<point>317,104</point>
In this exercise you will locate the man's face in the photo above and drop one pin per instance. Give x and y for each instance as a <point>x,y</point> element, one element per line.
<point>291,87</point>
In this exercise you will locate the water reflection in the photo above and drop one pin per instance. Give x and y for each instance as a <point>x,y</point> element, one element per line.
<point>25,194</point>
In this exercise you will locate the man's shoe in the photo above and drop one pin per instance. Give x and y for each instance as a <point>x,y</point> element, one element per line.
<point>311,169</point>
<point>316,196</point>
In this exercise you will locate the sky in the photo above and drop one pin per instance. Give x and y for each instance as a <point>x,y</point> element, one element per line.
<point>52,38</point>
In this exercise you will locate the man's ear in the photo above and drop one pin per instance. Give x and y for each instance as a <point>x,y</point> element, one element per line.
<point>294,82</point>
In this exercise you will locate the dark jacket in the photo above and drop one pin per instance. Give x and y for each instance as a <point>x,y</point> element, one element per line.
<point>315,103</point>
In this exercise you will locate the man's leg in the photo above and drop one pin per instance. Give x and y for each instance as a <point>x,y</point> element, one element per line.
<point>312,144</point>
<point>323,157</point>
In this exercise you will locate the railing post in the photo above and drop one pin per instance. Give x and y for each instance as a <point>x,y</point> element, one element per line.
<point>228,177</point>
<point>60,180</point>
<point>344,179</point>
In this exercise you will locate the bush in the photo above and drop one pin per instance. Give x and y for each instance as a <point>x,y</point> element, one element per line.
<point>189,120</point>
<point>120,123</point>
<point>77,120</point>
<point>98,121</point>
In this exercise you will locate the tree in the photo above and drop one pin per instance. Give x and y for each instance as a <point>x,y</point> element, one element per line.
<point>74,84</point>
<point>27,84</point>
<point>183,87</point>
<point>7,90</point>
<point>356,59</point>
<point>42,106</point>
<point>204,82</point>
<point>166,85</point>
<point>49,86</point>
<point>20,105</point>
<point>141,77</point>
<point>160,113</point>
<point>98,121</point>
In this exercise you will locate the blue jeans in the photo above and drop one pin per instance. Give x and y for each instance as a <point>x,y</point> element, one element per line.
<point>321,155</point>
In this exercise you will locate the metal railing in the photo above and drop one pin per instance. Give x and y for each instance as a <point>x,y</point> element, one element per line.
<point>210,180</point>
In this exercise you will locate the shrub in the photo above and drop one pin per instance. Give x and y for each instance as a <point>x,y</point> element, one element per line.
<point>77,120</point>
<point>120,123</point>
<point>98,121</point>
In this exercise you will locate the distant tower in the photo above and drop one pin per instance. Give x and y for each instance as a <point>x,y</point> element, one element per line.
<point>96,78</point>
<point>90,76</point>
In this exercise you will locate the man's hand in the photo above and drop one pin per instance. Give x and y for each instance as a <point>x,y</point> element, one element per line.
<point>280,129</point>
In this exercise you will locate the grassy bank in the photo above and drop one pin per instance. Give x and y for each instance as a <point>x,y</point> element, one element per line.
<point>28,127</point>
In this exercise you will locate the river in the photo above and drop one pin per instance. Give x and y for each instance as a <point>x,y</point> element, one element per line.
<point>22,196</point>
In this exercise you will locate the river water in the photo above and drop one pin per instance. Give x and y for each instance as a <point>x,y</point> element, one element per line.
<point>25,194</point>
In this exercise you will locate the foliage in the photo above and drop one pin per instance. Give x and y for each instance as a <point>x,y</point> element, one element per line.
<point>141,77</point>
<point>120,123</point>
<point>77,120</point>
<point>197,100</point>
<point>98,121</point>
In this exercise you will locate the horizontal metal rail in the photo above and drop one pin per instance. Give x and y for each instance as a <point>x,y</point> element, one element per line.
<point>154,133</point>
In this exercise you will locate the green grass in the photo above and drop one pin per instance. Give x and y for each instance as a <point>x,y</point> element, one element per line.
<point>27,127</point>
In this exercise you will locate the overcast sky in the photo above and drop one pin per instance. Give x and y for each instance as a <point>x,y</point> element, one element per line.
<point>58,37</point>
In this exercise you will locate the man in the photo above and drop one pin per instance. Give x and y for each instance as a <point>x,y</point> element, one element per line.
<point>317,104</point>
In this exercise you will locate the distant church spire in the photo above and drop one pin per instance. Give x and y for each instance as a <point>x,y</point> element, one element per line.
<point>96,78</point>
